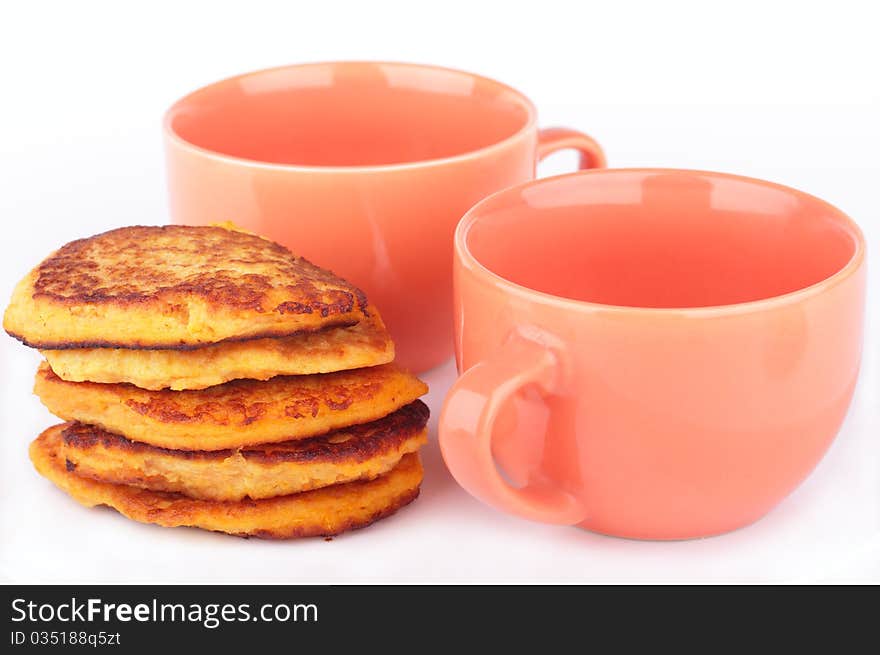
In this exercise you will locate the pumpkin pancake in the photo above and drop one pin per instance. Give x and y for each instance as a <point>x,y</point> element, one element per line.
<point>325,351</point>
<point>235,414</point>
<point>175,287</point>
<point>322,512</point>
<point>361,452</point>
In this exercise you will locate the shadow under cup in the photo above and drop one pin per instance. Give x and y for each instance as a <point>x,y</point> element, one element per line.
<point>706,336</point>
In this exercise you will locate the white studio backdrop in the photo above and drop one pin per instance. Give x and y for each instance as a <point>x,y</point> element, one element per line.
<point>786,91</point>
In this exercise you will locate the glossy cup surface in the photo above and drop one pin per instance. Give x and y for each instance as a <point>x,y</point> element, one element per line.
<point>650,353</point>
<point>362,167</point>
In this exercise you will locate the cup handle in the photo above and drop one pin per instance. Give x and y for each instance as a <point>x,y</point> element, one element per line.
<point>468,419</point>
<point>552,139</point>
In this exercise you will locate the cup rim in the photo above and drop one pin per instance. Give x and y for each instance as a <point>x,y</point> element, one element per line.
<point>463,253</point>
<point>174,138</point>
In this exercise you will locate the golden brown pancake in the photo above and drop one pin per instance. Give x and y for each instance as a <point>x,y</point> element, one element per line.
<point>361,452</point>
<point>173,287</point>
<point>322,512</point>
<point>325,351</point>
<point>235,414</point>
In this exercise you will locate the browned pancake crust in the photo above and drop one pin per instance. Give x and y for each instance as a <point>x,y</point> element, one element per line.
<point>356,443</point>
<point>323,351</point>
<point>361,452</point>
<point>235,414</point>
<point>322,512</point>
<point>175,286</point>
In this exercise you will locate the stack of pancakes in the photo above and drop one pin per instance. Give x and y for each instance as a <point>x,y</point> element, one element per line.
<point>211,378</point>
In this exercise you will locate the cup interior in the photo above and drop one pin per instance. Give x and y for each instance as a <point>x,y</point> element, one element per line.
<point>659,239</point>
<point>350,114</point>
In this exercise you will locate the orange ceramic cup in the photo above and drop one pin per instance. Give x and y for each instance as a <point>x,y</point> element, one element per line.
<point>653,354</point>
<point>364,168</point>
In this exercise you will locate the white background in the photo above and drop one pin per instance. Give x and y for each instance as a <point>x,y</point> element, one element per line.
<point>782,91</point>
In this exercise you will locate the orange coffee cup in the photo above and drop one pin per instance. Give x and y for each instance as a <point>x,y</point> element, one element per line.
<point>364,168</point>
<point>654,354</point>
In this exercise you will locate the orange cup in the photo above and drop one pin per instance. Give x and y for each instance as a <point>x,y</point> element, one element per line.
<point>653,354</point>
<point>364,168</point>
